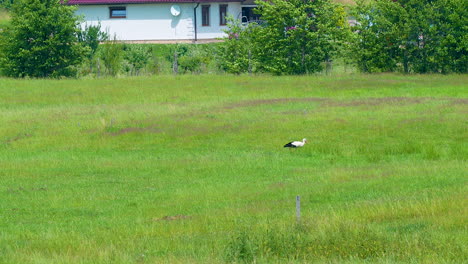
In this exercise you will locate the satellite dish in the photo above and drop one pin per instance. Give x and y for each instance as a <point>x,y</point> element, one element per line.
<point>175,10</point>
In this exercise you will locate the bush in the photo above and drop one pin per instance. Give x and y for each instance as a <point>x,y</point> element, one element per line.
<point>299,35</point>
<point>195,60</point>
<point>235,53</point>
<point>136,58</point>
<point>7,4</point>
<point>111,54</point>
<point>412,36</point>
<point>296,38</point>
<point>41,41</point>
<point>90,37</point>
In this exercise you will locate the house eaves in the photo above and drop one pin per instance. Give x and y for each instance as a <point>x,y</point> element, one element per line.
<point>119,2</point>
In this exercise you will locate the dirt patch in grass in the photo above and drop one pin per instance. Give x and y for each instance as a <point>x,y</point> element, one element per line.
<point>378,101</point>
<point>357,174</point>
<point>345,103</point>
<point>415,120</point>
<point>365,176</point>
<point>277,185</point>
<point>200,129</point>
<point>320,103</point>
<point>459,101</point>
<point>127,130</point>
<point>172,218</point>
<point>18,137</point>
<point>334,103</point>
<point>251,103</point>
<point>22,190</point>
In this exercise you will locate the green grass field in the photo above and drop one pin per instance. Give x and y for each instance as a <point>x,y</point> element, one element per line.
<point>192,169</point>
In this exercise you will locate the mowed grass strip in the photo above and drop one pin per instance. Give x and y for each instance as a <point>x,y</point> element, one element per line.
<point>191,169</point>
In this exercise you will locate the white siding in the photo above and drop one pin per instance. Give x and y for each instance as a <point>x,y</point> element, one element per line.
<point>155,22</point>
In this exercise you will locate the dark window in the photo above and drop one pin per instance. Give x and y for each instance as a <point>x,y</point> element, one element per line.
<point>205,15</point>
<point>222,15</point>
<point>249,14</point>
<point>118,12</point>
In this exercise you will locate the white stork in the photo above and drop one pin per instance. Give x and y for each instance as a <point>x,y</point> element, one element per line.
<point>296,144</point>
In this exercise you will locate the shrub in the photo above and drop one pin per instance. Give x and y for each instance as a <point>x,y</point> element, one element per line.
<point>299,35</point>
<point>90,37</point>
<point>195,60</point>
<point>295,38</point>
<point>235,53</point>
<point>111,53</point>
<point>136,57</point>
<point>41,41</point>
<point>7,4</point>
<point>411,36</point>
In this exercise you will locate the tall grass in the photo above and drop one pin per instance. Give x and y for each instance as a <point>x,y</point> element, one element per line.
<point>191,169</point>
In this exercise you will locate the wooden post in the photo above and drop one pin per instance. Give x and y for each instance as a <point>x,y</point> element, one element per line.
<point>328,66</point>
<point>250,62</point>
<point>298,209</point>
<point>175,64</point>
<point>98,68</point>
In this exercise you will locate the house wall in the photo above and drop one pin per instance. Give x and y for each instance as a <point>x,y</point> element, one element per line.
<point>155,21</point>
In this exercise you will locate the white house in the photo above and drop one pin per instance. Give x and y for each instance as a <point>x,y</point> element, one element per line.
<point>161,20</point>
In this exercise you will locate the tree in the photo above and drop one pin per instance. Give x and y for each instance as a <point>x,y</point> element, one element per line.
<point>296,37</point>
<point>90,37</point>
<point>6,4</point>
<point>299,35</point>
<point>417,36</point>
<point>235,53</point>
<point>111,52</point>
<point>136,58</point>
<point>41,41</point>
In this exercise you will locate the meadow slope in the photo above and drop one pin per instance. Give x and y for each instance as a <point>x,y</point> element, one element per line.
<point>192,169</point>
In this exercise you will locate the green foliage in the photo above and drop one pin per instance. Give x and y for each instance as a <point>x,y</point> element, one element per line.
<point>235,53</point>
<point>136,58</point>
<point>177,49</point>
<point>296,37</point>
<point>412,36</point>
<point>196,59</point>
<point>190,58</point>
<point>190,64</point>
<point>41,41</point>
<point>7,4</point>
<point>144,59</point>
<point>112,54</point>
<point>91,36</point>
<point>299,35</point>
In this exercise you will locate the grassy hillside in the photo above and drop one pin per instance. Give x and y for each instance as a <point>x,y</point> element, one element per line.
<point>192,169</point>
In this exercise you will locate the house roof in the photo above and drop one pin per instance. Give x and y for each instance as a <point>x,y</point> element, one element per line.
<point>113,2</point>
